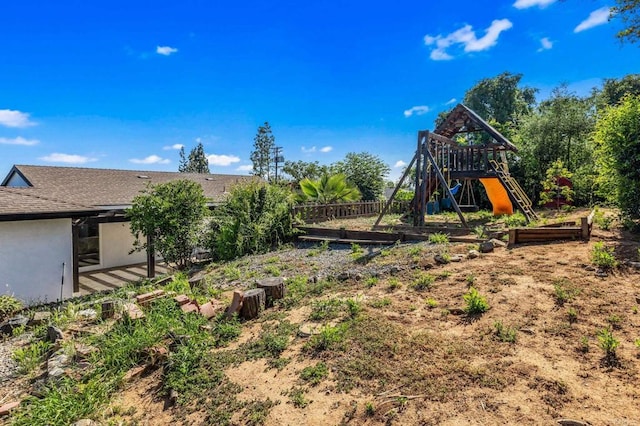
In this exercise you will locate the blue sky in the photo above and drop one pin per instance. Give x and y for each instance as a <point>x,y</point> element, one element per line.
<point>122,84</point>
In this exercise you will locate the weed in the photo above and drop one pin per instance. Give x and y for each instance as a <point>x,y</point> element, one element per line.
<point>325,309</point>
<point>314,374</point>
<point>479,231</point>
<point>354,307</point>
<point>505,333</point>
<point>423,282</point>
<point>603,256</point>
<point>438,238</point>
<point>444,275</point>
<point>394,284</point>
<point>328,338</point>
<point>476,304</point>
<point>604,222</point>
<point>356,249</point>
<point>516,219</point>
<point>415,251</point>
<point>572,315</point>
<point>273,259</point>
<point>634,310</point>
<point>637,343</point>
<point>371,282</point>
<point>369,409</point>
<point>256,411</point>
<point>608,343</point>
<point>296,396</point>
<point>431,303</point>
<point>385,252</point>
<point>471,279</point>
<point>8,306</point>
<point>584,344</point>
<point>564,291</point>
<point>380,303</point>
<point>29,357</point>
<point>273,270</point>
<point>615,321</point>
<point>231,273</point>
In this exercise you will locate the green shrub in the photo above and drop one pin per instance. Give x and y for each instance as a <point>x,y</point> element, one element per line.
<point>505,333</point>
<point>476,304</point>
<point>603,256</point>
<point>255,218</point>
<point>330,337</point>
<point>325,309</point>
<point>354,307</point>
<point>423,282</point>
<point>29,357</point>
<point>8,306</point>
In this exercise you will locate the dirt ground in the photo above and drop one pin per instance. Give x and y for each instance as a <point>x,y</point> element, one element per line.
<point>419,360</point>
<point>555,369</point>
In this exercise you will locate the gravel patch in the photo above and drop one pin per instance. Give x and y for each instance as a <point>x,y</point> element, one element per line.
<point>8,366</point>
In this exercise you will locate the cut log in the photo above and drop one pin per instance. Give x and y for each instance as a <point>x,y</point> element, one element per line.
<point>236,303</point>
<point>108,309</point>
<point>253,302</point>
<point>274,289</point>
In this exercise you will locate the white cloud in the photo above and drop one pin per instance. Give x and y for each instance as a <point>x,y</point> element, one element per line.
<point>19,141</point>
<point>326,149</point>
<point>165,50</point>
<point>597,17</point>
<point>57,157</point>
<point>399,164</point>
<point>174,146</point>
<point>466,37</point>
<point>417,110</point>
<point>13,118</point>
<point>451,101</point>
<point>308,150</point>
<point>525,4</point>
<point>245,168</point>
<point>198,140</point>
<point>546,44</point>
<point>152,159</point>
<point>222,160</point>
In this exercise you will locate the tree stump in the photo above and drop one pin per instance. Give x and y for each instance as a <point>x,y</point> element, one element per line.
<point>274,289</point>
<point>253,302</point>
<point>236,303</point>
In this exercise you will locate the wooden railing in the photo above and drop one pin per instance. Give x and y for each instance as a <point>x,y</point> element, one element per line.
<point>313,213</point>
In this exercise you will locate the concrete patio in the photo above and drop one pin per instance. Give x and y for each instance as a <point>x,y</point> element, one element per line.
<point>113,278</point>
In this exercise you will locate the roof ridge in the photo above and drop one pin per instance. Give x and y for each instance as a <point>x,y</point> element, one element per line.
<point>126,170</point>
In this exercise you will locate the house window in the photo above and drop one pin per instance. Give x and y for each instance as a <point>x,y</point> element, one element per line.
<point>88,244</point>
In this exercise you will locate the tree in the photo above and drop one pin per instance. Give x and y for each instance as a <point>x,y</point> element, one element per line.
<point>500,100</point>
<point>172,214</point>
<point>558,129</point>
<point>553,188</point>
<point>263,144</point>
<point>617,137</point>
<point>197,162</point>
<point>613,90</point>
<point>629,12</point>
<point>364,170</point>
<point>328,190</point>
<point>255,218</point>
<point>299,170</point>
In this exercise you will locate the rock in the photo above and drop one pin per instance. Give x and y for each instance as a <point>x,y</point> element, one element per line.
<point>87,314</point>
<point>312,279</point>
<point>84,351</point>
<point>57,363</point>
<point>635,265</point>
<point>11,324</point>
<point>40,318</point>
<point>497,243</point>
<point>589,268</point>
<point>562,262</point>
<point>85,422</point>
<point>473,254</point>
<point>132,311</point>
<point>343,276</point>
<point>425,264</point>
<point>600,273</point>
<point>54,334</point>
<point>308,329</point>
<point>456,258</point>
<point>210,309</point>
<point>457,311</point>
<point>198,280</point>
<point>6,408</point>
<point>486,247</point>
<point>440,259</point>
<point>182,299</point>
<point>358,277</point>
<point>528,330</point>
<point>395,269</point>
<point>571,422</point>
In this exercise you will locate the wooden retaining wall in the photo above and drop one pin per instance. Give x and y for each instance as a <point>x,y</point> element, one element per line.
<point>553,232</point>
<point>348,236</point>
<point>314,213</point>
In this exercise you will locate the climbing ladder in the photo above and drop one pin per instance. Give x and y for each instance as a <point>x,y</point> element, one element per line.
<point>516,193</point>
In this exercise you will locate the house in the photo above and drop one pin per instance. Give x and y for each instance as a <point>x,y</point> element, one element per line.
<point>56,222</point>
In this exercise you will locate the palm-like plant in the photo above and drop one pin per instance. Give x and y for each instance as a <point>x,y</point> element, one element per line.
<point>329,189</point>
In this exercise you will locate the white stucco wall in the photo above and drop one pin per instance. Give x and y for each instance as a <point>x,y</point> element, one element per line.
<point>116,241</point>
<point>31,256</point>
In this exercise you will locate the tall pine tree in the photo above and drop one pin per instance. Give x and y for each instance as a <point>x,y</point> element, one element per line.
<point>196,163</point>
<point>263,144</point>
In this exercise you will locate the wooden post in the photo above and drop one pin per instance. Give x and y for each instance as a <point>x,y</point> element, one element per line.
<point>447,190</point>
<point>151,257</point>
<point>75,236</point>
<point>513,236</point>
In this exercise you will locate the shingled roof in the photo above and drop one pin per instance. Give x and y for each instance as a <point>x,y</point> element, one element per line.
<point>462,119</point>
<point>73,189</point>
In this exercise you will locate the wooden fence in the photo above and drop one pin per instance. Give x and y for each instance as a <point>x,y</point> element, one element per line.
<point>313,213</point>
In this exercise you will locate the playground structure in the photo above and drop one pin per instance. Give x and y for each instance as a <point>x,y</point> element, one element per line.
<point>462,148</point>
